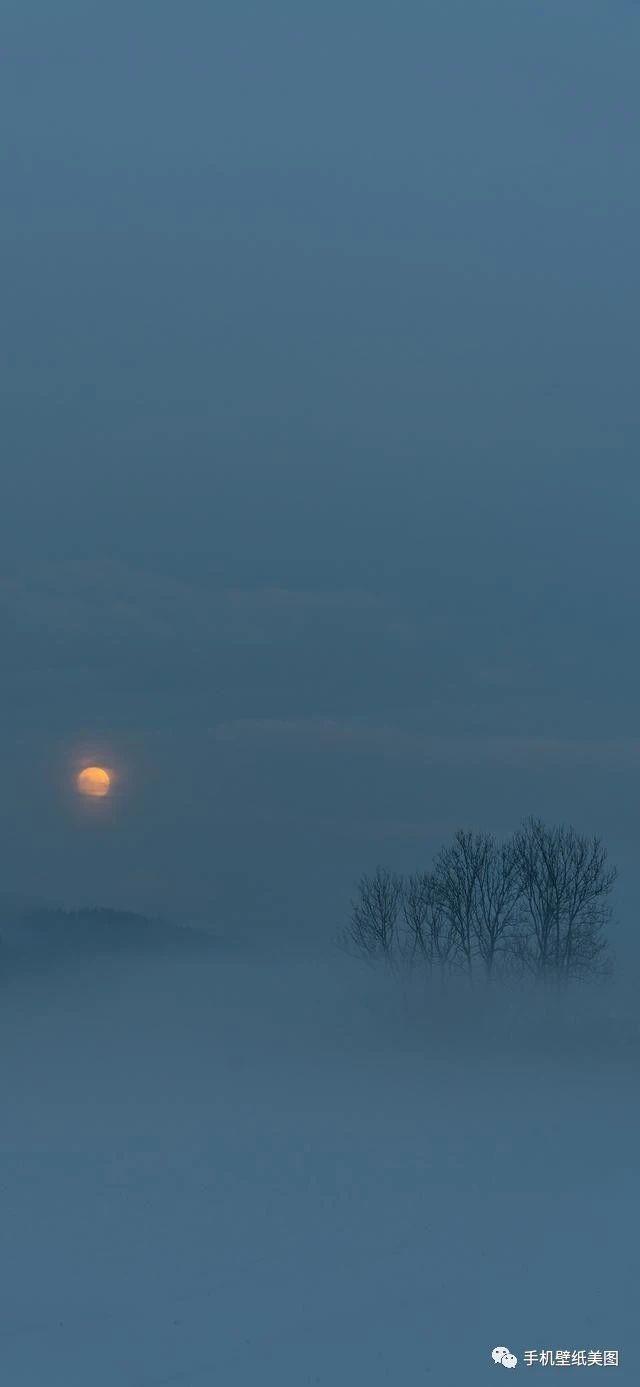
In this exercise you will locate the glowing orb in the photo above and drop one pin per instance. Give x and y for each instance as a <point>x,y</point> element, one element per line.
<point>94,781</point>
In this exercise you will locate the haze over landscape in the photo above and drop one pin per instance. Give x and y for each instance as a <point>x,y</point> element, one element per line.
<point>318,513</point>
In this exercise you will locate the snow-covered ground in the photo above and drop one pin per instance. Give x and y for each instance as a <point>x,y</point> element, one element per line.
<point>253,1170</point>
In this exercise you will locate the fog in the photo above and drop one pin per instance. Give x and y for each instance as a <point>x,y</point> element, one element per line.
<point>257,1165</point>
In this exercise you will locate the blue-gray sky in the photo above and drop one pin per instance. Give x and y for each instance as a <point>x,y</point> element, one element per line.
<point>320,417</point>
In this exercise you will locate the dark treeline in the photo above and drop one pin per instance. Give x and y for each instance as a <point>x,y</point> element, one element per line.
<point>536,905</point>
<point>46,936</point>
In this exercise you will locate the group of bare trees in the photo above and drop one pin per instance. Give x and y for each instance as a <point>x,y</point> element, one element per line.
<point>536,904</point>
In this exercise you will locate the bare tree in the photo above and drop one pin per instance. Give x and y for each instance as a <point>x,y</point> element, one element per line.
<point>477,890</point>
<point>496,902</point>
<point>429,937</point>
<point>416,902</point>
<point>455,881</point>
<point>373,926</point>
<point>563,886</point>
<point>537,903</point>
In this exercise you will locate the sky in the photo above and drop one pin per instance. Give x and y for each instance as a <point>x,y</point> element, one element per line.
<point>319,483</point>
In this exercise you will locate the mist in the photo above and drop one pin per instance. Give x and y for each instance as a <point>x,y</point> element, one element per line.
<point>282,1167</point>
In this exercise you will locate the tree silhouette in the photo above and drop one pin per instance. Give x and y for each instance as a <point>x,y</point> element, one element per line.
<point>563,888</point>
<point>373,926</point>
<point>536,904</point>
<point>428,935</point>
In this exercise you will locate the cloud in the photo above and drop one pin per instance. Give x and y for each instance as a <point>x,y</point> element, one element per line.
<point>392,741</point>
<point>112,599</point>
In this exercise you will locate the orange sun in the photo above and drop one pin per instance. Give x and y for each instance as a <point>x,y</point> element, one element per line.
<point>94,781</point>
